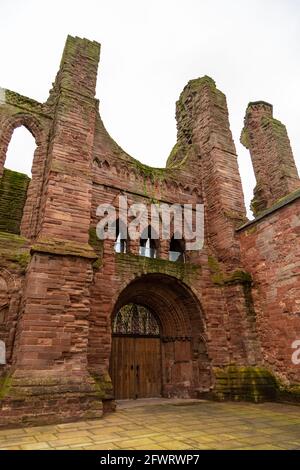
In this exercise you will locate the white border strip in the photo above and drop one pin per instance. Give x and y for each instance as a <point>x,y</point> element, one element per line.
<point>2,96</point>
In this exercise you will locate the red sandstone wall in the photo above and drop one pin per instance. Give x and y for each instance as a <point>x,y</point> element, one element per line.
<point>71,289</point>
<point>228,330</point>
<point>271,253</point>
<point>202,168</point>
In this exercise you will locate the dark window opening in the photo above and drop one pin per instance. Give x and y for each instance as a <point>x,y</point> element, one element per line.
<point>121,244</point>
<point>177,250</point>
<point>149,243</point>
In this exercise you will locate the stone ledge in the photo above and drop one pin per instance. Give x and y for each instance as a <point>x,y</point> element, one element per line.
<point>64,248</point>
<point>30,105</point>
<point>281,203</point>
<point>142,265</point>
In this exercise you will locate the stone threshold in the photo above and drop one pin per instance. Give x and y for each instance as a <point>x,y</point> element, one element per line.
<point>131,403</point>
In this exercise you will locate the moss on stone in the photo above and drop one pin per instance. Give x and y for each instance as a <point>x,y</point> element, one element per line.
<point>97,264</point>
<point>216,272</point>
<point>264,213</point>
<point>94,241</point>
<point>14,252</point>
<point>173,154</point>
<point>13,191</point>
<point>213,264</point>
<point>92,49</point>
<point>179,155</point>
<point>143,265</point>
<point>255,207</point>
<point>195,85</point>
<point>235,216</point>
<point>248,383</point>
<point>23,102</point>
<point>186,106</point>
<point>239,276</point>
<point>252,230</point>
<point>245,139</point>
<point>16,240</point>
<point>22,259</point>
<point>103,386</point>
<point>277,127</point>
<point>286,199</point>
<point>5,385</point>
<point>97,245</point>
<point>154,174</point>
<point>289,393</point>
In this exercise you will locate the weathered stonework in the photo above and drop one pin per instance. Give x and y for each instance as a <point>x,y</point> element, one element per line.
<point>272,157</point>
<point>227,316</point>
<point>270,249</point>
<point>13,193</point>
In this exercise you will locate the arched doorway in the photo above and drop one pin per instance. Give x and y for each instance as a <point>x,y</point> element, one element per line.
<point>157,325</point>
<point>136,353</point>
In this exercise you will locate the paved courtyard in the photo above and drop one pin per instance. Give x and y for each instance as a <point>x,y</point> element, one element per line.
<point>170,424</point>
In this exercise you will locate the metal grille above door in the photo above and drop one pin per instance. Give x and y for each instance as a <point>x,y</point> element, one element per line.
<point>135,320</point>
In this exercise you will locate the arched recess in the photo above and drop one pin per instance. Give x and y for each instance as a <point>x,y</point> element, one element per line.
<point>185,364</point>
<point>32,205</point>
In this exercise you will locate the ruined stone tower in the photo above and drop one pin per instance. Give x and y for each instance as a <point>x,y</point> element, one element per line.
<point>221,321</point>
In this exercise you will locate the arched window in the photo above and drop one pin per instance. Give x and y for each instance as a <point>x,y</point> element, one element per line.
<point>135,320</point>
<point>121,244</point>
<point>19,156</point>
<point>149,243</point>
<point>177,250</point>
<point>15,180</point>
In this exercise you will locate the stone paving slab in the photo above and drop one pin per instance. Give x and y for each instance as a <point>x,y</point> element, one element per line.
<point>169,425</point>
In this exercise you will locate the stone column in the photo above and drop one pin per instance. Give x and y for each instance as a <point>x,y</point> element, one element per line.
<point>204,136</point>
<point>271,154</point>
<point>50,375</point>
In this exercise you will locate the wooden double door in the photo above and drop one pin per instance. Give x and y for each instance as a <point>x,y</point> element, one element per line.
<point>136,367</point>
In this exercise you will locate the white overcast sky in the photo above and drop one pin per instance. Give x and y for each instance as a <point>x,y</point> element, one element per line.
<point>150,49</point>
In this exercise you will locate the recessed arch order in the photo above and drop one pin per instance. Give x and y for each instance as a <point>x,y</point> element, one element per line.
<point>185,366</point>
